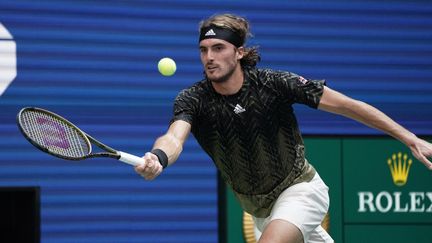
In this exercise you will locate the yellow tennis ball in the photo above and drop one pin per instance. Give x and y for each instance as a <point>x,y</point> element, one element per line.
<point>167,66</point>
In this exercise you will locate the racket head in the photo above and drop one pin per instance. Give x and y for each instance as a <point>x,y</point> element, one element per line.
<point>53,134</point>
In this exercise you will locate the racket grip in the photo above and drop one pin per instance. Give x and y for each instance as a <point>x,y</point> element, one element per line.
<point>130,159</point>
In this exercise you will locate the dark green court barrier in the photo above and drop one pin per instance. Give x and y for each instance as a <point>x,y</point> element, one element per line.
<point>379,192</point>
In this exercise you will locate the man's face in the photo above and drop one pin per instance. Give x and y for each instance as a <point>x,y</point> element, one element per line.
<point>219,58</point>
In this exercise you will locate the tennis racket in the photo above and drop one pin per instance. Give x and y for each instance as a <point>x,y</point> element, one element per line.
<point>57,136</point>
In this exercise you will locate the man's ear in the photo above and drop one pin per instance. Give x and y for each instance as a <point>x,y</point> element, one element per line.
<point>240,52</point>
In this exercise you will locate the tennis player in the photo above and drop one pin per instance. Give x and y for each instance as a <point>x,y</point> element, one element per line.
<point>243,118</point>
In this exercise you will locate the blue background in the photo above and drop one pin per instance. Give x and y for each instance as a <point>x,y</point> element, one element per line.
<point>95,63</point>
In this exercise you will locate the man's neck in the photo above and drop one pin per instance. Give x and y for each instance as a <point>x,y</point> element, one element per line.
<point>232,85</point>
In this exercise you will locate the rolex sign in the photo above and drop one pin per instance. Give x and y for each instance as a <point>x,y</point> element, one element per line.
<point>386,190</point>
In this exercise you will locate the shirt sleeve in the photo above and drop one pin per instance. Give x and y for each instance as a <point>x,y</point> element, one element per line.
<point>297,89</point>
<point>184,107</point>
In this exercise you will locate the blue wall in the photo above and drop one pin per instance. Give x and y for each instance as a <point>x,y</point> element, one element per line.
<point>94,62</point>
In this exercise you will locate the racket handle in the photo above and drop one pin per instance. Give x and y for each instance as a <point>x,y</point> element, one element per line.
<point>130,159</point>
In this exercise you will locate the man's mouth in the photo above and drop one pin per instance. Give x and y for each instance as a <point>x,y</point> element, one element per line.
<point>211,67</point>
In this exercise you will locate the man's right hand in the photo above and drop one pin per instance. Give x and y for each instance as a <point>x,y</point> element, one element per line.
<point>151,167</point>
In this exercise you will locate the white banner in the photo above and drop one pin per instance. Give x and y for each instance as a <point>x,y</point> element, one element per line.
<point>8,70</point>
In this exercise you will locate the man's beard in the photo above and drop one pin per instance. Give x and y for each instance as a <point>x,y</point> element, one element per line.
<point>223,78</point>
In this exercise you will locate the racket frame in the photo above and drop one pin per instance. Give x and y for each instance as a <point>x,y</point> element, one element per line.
<point>110,152</point>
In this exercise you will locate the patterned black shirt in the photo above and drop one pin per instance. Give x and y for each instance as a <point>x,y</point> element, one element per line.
<point>253,135</point>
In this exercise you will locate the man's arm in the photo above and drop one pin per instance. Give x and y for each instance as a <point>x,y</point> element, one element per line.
<point>335,102</point>
<point>171,143</point>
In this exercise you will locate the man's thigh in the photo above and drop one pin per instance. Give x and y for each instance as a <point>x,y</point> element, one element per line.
<point>281,231</point>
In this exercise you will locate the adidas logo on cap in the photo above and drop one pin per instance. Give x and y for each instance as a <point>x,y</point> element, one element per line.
<point>210,32</point>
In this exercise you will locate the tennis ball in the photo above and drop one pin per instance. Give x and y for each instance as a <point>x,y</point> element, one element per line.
<point>167,66</point>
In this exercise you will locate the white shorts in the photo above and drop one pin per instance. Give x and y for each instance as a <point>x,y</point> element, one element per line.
<point>305,205</point>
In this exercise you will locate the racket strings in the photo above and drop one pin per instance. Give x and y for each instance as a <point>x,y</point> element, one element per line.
<point>55,135</point>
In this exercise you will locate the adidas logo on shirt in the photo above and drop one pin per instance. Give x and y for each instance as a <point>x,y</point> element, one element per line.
<point>238,109</point>
<point>210,32</point>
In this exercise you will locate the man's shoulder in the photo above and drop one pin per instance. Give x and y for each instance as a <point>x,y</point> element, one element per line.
<point>267,72</point>
<point>197,89</point>
<point>269,76</point>
<point>264,74</point>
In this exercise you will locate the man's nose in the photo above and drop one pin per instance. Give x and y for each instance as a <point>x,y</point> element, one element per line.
<point>209,55</point>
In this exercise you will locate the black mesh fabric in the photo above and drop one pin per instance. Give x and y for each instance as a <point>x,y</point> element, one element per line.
<point>252,136</point>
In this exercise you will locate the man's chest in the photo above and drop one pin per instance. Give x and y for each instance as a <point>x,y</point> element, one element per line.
<point>246,110</point>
